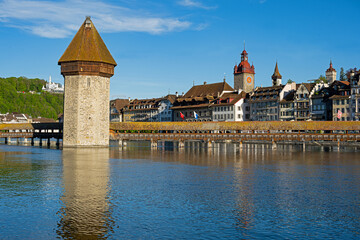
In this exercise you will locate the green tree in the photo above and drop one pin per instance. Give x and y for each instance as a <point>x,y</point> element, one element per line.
<point>40,104</point>
<point>342,74</point>
<point>321,79</point>
<point>290,81</point>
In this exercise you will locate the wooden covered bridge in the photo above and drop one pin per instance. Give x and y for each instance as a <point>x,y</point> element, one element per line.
<point>209,132</point>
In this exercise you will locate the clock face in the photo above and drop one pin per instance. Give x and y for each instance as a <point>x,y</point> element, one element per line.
<point>249,80</point>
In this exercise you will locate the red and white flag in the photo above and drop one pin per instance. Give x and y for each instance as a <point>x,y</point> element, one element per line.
<point>339,114</point>
<point>182,115</point>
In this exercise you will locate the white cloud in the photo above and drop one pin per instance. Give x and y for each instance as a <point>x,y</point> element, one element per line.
<point>194,4</point>
<point>58,19</point>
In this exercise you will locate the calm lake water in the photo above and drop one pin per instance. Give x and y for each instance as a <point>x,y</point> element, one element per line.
<point>136,193</point>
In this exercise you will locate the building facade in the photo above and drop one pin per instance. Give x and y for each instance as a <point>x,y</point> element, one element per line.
<point>230,107</point>
<point>53,87</point>
<point>116,109</point>
<point>195,105</point>
<point>341,101</point>
<point>355,96</point>
<point>149,110</point>
<point>302,102</point>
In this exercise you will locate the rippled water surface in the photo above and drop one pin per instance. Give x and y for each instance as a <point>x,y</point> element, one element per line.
<point>136,193</point>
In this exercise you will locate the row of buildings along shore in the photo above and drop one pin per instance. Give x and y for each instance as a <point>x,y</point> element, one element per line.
<point>321,100</point>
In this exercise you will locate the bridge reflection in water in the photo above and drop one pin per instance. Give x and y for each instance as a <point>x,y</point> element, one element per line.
<point>85,213</point>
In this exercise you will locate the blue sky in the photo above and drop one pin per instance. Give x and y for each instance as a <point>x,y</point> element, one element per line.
<point>165,46</point>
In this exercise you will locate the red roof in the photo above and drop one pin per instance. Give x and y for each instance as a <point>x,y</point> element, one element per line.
<point>244,66</point>
<point>331,69</point>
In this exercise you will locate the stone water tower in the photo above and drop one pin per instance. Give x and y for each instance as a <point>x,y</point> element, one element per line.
<point>87,66</point>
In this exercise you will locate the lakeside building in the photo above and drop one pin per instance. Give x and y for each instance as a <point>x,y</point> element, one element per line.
<point>149,110</point>
<point>321,105</point>
<point>230,107</point>
<point>265,101</point>
<point>302,101</point>
<point>287,112</point>
<point>116,109</point>
<point>355,95</point>
<point>341,101</point>
<point>195,105</point>
<point>15,118</point>
<point>53,87</point>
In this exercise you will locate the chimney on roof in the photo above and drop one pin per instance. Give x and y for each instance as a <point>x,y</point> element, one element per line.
<point>88,22</point>
<point>204,83</point>
<point>177,94</point>
<point>129,99</point>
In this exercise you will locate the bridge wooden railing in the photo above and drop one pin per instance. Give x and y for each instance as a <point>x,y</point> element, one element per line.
<point>237,131</point>
<point>237,126</point>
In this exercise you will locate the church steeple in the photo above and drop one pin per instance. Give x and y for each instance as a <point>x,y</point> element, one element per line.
<point>276,77</point>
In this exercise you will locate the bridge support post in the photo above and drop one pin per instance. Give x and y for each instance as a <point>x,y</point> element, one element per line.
<point>48,142</point>
<point>154,144</point>
<point>6,140</point>
<point>274,146</point>
<point>32,141</point>
<point>40,142</point>
<point>181,144</point>
<point>57,142</point>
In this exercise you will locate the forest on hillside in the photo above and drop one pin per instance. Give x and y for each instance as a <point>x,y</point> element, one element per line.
<point>24,95</point>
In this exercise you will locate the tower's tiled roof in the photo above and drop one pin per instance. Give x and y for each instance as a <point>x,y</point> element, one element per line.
<point>331,69</point>
<point>87,45</point>
<point>276,72</point>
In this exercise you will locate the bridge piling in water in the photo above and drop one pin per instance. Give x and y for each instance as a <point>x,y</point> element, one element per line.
<point>181,144</point>
<point>154,144</point>
<point>209,144</point>
<point>274,146</point>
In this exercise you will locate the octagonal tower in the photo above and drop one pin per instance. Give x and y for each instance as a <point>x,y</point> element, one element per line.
<point>87,66</point>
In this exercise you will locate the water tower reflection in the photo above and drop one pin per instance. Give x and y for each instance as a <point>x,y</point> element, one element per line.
<point>85,213</point>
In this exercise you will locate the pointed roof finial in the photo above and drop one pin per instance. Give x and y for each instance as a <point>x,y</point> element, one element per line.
<point>276,72</point>
<point>244,44</point>
<point>224,77</point>
<point>331,69</point>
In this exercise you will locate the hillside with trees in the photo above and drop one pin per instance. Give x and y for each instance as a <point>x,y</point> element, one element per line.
<point>25,95</point>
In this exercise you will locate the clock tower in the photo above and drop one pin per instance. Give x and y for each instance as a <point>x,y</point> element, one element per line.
<point>244,74</point>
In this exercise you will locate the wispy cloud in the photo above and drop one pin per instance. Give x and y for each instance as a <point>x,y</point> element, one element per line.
<point>58,19</point>
<point>194,4</point>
